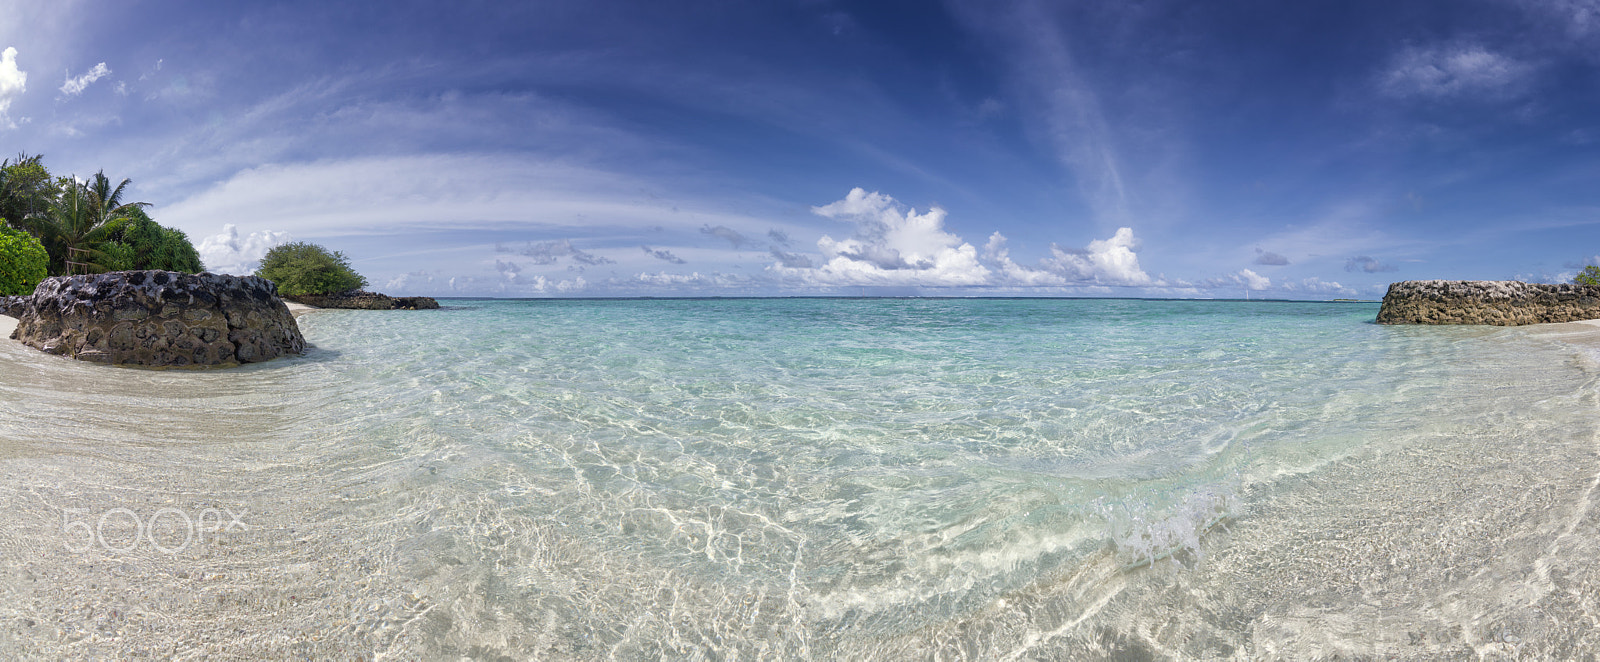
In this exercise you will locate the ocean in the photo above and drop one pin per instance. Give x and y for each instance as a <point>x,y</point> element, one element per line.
<point>853,479</point>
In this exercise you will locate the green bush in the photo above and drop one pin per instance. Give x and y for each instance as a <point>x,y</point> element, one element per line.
<point>302,268</point>
<point>151,246</point>
<point>1590,276</point>
<point>23,261</point>
<point>116,256</point>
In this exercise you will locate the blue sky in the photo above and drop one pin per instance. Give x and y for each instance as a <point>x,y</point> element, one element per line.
<point>1301,150</point>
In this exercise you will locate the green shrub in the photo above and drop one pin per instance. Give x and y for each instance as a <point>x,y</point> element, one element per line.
<point>302,268</point>
<point>116,256</point>
<point>23,261</point>
<point>153,245</point>
<point>1589,276</point>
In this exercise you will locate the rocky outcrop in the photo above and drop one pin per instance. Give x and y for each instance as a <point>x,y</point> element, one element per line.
<point>1496,302</point>
<point>364,301</point>
<point>12,306</point>
<point>159,319</point>
<point>415,303</point>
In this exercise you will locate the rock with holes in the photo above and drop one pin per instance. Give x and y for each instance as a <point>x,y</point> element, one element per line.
<point>1496,302</point>
<point>12,306</point>
<point>159,319</point>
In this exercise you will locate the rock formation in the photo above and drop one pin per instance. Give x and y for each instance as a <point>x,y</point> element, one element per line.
<point>415,303</point>
<point>1496,302</point>
<point>364,301</point>
<point>12,306</point>
<point>159,319</point>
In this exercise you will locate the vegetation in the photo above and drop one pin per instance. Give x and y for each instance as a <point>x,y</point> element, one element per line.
<point>1589,276</point>
<point>136,242</point>
<point>26,189</point>
<point>301,268</point>
<point>88,222</point>
<point>22,262</point>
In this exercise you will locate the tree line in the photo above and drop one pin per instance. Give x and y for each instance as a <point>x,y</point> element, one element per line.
<point>77,226</point>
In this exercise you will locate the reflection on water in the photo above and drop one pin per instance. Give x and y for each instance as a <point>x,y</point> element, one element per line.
<point>878,479</point>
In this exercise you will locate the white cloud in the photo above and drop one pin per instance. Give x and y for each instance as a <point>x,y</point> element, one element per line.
<point>695,279</point>
<point>1252,280</point>
<point>75,86</point>
<point>996,253</point>
<point>410,283</point>
<point>1106,262</point>
<point>13,82</point>
<point>383,195</point>
<point>890,247</point>
<point>506,283</point>
<point>228,253</point>
<point>1317,286</point>
<point>1452,71</point>
<point>542,285</point>
<point>893,246</point>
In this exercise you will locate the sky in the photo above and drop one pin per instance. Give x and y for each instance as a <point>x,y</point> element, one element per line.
<point>1303,150</point>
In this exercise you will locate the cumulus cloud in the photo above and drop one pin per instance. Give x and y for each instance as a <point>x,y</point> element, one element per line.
<point>695,279</point>
<point>1252,280</point>
<point>13,82</point>
<point>1452,71</point>
<point>408,283</point>
<point>75,86</point>
<point>1105,262</point>
<point>229,253</point>
<point>508,282</point>
<point>551,252</point>
<point>778,237</point>
<point>1318,286</point>
<point>733,236</point>
<point>1367,264</point>
<point>1269,258</point>
<point>896,246</point>
<point>662,254</point>
<point>891,246</point>
<point>542,285</point>
<point>996,253</point>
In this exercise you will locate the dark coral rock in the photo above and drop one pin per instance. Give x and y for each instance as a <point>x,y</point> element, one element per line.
<point>1496,302</point>
<point>159,319</point>
<point>360,300</point>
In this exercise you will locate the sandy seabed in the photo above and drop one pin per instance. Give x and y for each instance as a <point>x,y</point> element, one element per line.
<point>1449,549</point>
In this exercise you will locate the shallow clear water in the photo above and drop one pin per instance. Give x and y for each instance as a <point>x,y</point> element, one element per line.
<point>812,478</point>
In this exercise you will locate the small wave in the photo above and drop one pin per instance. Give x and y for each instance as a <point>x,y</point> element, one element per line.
<point>1139,538</point>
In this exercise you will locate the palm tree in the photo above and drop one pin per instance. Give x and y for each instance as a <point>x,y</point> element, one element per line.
<point>108,201</point>
<point>81,218</point>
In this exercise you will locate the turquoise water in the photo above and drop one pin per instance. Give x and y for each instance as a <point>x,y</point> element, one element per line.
<point>810,478</point>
